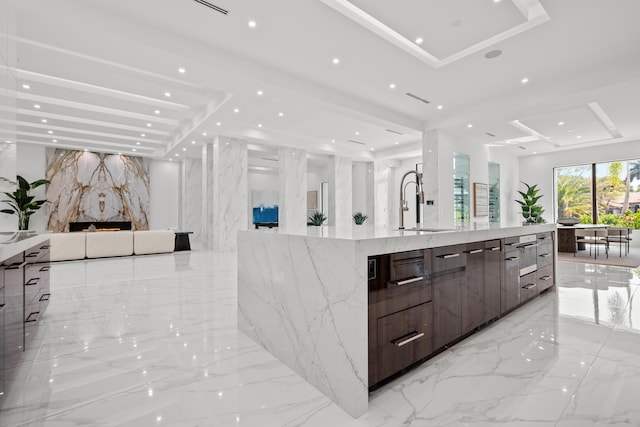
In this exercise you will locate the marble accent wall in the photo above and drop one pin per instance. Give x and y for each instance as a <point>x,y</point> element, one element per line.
<point>430,143</point>
<point>363,190</point>
<point>382,183</point>
<point>88,186</point>
<point>292,194</point>
<point>340,191</point>
<point>226,191</point>
<point>8,137</point>
<point>191,202</point>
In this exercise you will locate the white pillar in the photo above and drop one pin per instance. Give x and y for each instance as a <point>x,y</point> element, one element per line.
<point>430,167</point>
<point>292,195</point>
<point>226,193</point>
<point>383,179</point>
<point>340,191</point>
<point>363,190</point>
<point>191,199</point>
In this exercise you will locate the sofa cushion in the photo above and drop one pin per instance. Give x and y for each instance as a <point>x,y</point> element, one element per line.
<point>109,243</point>
<point>153,241</point>
<point>67,246</point>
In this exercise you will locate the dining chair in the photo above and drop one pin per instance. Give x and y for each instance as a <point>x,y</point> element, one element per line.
<point>619,235</point>
<point>591,237</point>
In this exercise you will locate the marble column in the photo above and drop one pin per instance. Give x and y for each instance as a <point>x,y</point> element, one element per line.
<point>292,194</point>
<point>8,136</point>
<point>226,192</point>
<point>191,200</point>
<point>430,144</point>
<point>340,191</point>
<point>383,179</point>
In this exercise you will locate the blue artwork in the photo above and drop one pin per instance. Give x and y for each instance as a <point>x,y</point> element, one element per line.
<point>265,206</point>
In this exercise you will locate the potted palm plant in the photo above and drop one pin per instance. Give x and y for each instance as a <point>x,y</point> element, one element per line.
<point>317,218</point>
<point>22,203</point>
<point>359,218</point>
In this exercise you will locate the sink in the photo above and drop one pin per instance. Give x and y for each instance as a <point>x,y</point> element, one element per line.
<point>430,230</point>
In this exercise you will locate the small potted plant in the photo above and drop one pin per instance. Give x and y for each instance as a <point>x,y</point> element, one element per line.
<point>22,204</point>
<point>317,218</point>
<point>359,218</point>
<point>531,211</point>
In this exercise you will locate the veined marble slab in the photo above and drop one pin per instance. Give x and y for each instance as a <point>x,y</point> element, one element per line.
<point>304,297</point>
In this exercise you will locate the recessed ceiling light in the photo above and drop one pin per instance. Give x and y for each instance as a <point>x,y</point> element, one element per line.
<point>119,154</point>
<point>281,114</point>
<point>524,80</point>
<point>372,149</point>
<point>260,93</point>
<point>579,136</point>
<point>218,123</point>
<point>236,110</point>
<point>36,106</point>
<point>143,135</point>
<point>133,149</point>
<point>259,125</point>
<point>148,125</point>
<point>167,94</point>
<point>336,61</point>
<point>50,132</point>
<point>171,160</point>
<point>55,140</point>
<point>560,123</point>
<point>333,140</point>
<point>138,143</point>
<point>419,40</point>
<point>184,149</point>
<point>177,155</point>
<point>439,107</point>
<point>469,125</point>
<point>571,130</point>
<point>357,133</point>
<point>252,24</point>
<point>182,70</point>
<point>535,152</point>
<point>193,142</point>
<point>86,149</point>
<point>204,134</point>
<point>392,86</point>
<point>157,111</point>
<point>397,143</point>
<point>7,141</point>
<point>26,86</point>
<point>44,120</point>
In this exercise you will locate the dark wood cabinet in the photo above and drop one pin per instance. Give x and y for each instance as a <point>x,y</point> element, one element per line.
<point>492,276</point>
<point>449,273</point>
<point>472,291</point>
<point>510,286</point>
<point>528,286</point>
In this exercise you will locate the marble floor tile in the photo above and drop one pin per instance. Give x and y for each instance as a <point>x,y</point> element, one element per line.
<point>153,340</point>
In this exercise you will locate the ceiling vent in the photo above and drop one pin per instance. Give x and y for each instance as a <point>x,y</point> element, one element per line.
<point>394,131</point>
<point>212,6</point>
<point>356,142</point>
<point>270,159</point>
<point>417,98</point>
<point>521,147</point>
<point>490,134</point>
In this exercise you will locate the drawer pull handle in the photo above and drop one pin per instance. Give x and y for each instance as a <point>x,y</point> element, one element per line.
<point>33,281</point>
<point>32,255</point>
<point>544,238</point>
<point>545,255</point>
<point>30,320</point>
<point>513,258</point>
<point>545,278</point>
<point>45,268</point>
<point>495,248</point>
<point>529,286</point>
<point>404,340</point>
<point>474,251</point>
<point>2,307</point>
<point>45,247</point>
<point>447,256</point>
<point>411,280</point>
<point>16,266</point>
<point>45,297</point>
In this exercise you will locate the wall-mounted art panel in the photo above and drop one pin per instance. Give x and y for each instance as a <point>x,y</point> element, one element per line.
<point>265,206</point>
<point>89,187</point>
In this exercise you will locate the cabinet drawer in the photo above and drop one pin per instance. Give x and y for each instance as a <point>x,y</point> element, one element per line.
<point>403,338</point>
<point>449,258</point>
<point>545,278</point>
<point>39,253</point>
<point>529,286</point>
<point>545,254</point>
<point>545,237</point>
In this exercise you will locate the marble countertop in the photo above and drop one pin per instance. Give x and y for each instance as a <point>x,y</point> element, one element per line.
<point>14,242</point>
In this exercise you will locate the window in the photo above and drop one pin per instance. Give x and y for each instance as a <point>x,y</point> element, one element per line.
<point>461,210</point>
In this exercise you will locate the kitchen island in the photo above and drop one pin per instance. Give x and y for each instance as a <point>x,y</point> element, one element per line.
<point>311,300</point>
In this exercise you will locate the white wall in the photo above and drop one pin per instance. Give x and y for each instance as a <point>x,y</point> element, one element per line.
<point>538,169</point>
<point>164,185</point>
<point>164,178</point>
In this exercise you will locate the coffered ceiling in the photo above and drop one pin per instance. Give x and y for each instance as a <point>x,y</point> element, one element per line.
<point>360,78</point>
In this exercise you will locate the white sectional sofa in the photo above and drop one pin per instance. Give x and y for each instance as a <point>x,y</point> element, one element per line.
<point>100,244</point>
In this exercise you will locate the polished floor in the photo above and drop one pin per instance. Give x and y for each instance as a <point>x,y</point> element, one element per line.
<point>152,341</point>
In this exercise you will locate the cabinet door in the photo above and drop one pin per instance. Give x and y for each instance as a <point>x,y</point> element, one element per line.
<point>449,265</point>
<point>13,312</point>
<point>529,286</point>
<point>510,292</point>
<point>473,290</point>
<point>492,276</point>
<point>403,339</point>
